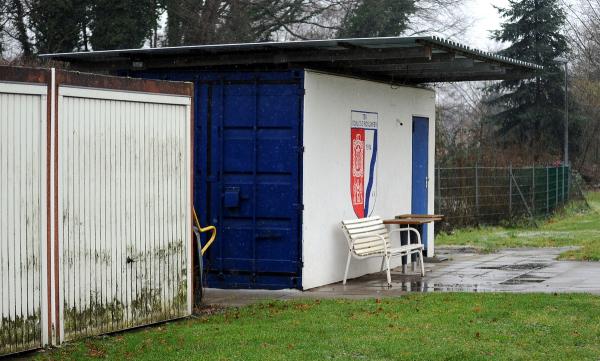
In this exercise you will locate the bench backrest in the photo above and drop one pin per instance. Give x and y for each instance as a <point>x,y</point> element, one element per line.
<point>362,235</point>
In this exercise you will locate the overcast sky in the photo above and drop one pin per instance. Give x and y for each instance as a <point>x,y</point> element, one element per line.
<point>485,18</point>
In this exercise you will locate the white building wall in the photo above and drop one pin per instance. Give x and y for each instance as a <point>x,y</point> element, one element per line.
<point>328,103</point>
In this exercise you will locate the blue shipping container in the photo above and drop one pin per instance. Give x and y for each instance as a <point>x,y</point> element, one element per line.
<point>248,173</point>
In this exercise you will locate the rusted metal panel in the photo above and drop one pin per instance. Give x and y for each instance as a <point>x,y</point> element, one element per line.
<point>24,75</point>
<point>23,115</point>
<point>115,83</point>
<point>124,205</point>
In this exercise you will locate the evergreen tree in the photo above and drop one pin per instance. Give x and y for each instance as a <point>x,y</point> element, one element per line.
<point>57,24</point>
<point>372,18</point>
<point>17,15</point>
<point>120,24</point>
<point>531,110</point>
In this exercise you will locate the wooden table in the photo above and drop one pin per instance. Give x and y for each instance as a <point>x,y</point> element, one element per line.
<point>435,217</point>
<point>409,221</point>
<point>416,221</point>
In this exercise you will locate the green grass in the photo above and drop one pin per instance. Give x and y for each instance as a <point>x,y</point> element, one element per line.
<point>573,226</point>
<point>440,326</point>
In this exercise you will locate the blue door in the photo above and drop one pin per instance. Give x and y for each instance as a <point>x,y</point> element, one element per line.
<point>420,166</point>
<point>254,182</point>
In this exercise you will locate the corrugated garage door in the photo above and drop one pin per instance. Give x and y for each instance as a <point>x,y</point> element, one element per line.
<point>22,221</point>
<point>124,209</point>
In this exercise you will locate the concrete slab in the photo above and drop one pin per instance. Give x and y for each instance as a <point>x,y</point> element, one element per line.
<point>510,270</point>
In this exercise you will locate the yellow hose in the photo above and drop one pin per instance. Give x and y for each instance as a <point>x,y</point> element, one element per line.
<point>203,230</point>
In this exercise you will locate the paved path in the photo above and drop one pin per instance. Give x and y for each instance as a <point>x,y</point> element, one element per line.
<point>510,270</point>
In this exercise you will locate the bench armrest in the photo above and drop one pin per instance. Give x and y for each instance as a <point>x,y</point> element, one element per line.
<point>409,229</point>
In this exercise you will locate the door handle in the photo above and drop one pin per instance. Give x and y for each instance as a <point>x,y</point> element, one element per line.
<point>427,182</point>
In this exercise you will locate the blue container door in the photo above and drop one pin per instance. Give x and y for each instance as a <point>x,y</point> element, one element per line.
<point>253,181</point>
<point>420,166</point>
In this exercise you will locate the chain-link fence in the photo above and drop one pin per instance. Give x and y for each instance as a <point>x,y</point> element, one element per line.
<point>484,195</point>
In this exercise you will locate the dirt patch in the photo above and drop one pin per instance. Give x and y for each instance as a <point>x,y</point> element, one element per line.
<point>209,310</point>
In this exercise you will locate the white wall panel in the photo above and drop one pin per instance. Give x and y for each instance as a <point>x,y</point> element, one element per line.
<point>124,209</point>
<point>22,220</point>
<point>328,104</point>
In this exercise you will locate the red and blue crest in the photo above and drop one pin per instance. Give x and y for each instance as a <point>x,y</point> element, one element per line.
<point>363,162</point>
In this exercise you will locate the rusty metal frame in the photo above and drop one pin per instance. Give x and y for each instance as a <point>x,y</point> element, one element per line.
<point>88,80</point>
<point>24,75</point>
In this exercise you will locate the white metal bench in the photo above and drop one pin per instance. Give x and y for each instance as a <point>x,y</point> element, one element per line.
<point>369,237</point>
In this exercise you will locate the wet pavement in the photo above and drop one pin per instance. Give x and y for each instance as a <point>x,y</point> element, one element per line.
<point>509,270</point>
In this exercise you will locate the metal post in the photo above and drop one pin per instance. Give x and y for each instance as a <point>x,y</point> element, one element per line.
<point>563,184</point>
<point>477,190</point>
<point>547,191</point>
<point>556,189</point>
<point>566,145</point>
<point>533,189</point>
<point>439,186</point>
<point>568,185</point>
<point>565,62</point>
<point>510,189</point>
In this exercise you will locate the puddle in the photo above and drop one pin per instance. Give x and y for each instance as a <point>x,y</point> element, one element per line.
<point>418,286</point>
<point>517,267</point>
<point>523,279</point>
<point>526,266</point>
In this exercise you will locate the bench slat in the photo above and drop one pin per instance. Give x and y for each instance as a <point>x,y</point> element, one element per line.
<point>370,237</point>
<point>371,229</point>
<point>360,220</point>
<point>369,245</point>
<point>369,251</point>
<point>362,224</point>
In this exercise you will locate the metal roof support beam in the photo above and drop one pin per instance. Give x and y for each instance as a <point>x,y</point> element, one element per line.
<point>458,64</point>
<point>435,58</point>
<point>279,57</point>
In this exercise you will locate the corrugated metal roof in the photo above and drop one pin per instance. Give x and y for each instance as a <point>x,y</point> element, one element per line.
<point>395,59</point>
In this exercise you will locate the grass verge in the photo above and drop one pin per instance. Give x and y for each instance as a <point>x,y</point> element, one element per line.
<point>573,226</point>
<point>440,326</point>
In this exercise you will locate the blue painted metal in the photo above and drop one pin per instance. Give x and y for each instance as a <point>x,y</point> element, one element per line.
<point>248,175</point>
<point>420,166</point>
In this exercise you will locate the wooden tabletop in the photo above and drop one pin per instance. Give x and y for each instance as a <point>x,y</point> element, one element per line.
<point>437,217</point>
<point>414,219</point>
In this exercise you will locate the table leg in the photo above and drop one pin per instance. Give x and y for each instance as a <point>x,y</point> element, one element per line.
<point>404,240</point>
<point>414,256</point>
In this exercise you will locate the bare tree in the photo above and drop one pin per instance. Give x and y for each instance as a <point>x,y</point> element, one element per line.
<point>444,18</point>
<point>214,21</point>
<point>584,35</point>
<point>17,15</point>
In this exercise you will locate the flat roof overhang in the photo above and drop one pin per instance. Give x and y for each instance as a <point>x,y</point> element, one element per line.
<point>397,60</point>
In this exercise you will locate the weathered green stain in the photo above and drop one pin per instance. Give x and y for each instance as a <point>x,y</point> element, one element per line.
<point>20,334</point>
<point>95,315</point>
<point>180,301</point>
<point>147,307</point>
<point>146,304</point>
<point>161,298</point>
